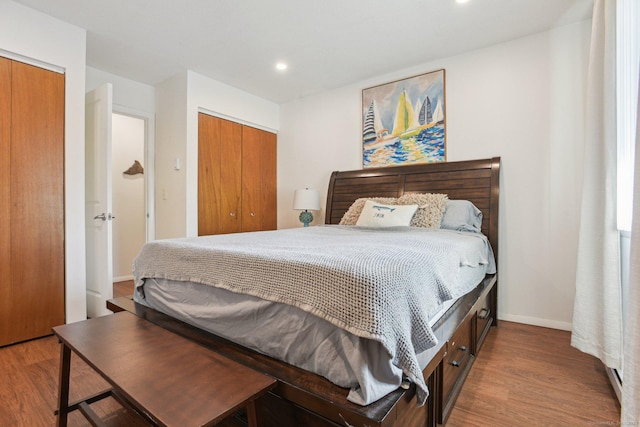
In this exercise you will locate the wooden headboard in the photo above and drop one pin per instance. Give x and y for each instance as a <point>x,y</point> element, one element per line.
<point>475,180</point>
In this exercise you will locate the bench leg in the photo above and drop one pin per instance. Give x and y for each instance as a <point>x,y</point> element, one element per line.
<point>63,390</point>
<point>253,414</point>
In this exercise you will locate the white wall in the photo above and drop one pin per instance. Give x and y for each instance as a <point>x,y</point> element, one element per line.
<point>128,194</point>
<point>178,101</point>
<point>34,35</point>
<point>520,100</point>
<point>171,131</point>
<point>127,93</point>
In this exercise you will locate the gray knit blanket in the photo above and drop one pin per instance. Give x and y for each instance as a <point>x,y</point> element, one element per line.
<point>380,284</point>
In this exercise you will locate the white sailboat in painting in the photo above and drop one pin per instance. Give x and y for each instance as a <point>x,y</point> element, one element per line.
<point>438,114</point>
<point>416,110</point>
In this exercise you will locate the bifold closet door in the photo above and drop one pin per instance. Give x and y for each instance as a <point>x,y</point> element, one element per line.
<point>259,198</point>
<point>219,175</point>
<point>236,177</point>
<point>35,284</point>
<point>5,203</point>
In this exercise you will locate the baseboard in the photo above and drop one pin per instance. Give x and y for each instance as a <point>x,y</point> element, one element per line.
<point>122,279</point>
<point>616,383</point>
<point>536,321</point>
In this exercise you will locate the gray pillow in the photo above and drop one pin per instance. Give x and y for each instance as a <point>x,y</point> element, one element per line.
<point>462,215</point>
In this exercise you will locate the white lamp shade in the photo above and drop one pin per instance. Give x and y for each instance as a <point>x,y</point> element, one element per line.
<point>306,200</point>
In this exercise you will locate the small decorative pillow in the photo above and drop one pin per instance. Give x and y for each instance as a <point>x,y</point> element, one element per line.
<point>351,216</point>
<point>376,214</point>
<point>431,207</point>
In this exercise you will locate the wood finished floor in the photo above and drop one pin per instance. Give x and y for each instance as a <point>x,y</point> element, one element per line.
<point>122,289</point>
<point>530,376</point>
<point>523,376</point>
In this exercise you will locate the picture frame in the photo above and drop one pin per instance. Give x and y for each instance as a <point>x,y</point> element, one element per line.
<point>404,121</point>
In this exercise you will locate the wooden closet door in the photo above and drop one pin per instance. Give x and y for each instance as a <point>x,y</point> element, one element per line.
<point>259,200</point>
<point>208,175</point>
<point>5,203</point>
<point>219,175</point>
<point>37,201</point>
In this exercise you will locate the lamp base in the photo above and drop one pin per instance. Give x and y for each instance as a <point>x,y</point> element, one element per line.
<point>305,217</point>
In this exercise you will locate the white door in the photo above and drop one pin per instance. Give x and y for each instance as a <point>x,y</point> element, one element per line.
<point>98,183</point>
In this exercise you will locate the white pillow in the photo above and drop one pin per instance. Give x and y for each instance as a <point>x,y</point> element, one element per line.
<point>351,216</point>
<point>379,215</point>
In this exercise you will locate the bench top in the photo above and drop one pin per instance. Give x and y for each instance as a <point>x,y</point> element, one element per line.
<point>175,381</point>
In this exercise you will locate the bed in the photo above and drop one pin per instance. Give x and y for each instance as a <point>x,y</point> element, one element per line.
<point>304,397</point>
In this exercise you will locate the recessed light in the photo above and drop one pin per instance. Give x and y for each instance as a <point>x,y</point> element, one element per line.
<point>462,1</point>
<point>281,66</point>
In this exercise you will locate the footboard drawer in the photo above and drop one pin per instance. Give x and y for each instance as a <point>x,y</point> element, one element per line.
<point>484,320</point>
<point>455,366</point>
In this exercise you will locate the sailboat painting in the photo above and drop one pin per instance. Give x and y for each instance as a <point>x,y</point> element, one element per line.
<point>404,121</point>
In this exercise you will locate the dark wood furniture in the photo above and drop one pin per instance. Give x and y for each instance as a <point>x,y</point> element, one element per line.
<point>167,379</point>
<point>475,180</point>
<point>303,398</point>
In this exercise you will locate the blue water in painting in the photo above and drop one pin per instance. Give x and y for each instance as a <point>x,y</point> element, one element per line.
<point>427,146</point>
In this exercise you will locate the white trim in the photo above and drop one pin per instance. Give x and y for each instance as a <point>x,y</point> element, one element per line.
<point>31,61</point>
<point>237,120</point>
<point>536,321</point>
<point>122,279</point>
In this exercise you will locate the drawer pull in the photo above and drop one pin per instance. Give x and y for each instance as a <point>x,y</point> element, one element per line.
<point>484,314</point>
<point>464,350</point>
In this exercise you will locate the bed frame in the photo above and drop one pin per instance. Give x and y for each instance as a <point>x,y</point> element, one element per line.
<point>304,398</point>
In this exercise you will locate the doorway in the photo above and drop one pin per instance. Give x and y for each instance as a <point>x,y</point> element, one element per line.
<point>99,182</point>
<point>130,213</point>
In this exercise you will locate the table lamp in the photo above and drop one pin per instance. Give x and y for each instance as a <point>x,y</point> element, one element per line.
<point>306,200</point>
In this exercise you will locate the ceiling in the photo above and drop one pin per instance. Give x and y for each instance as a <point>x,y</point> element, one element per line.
<point>326,44</point>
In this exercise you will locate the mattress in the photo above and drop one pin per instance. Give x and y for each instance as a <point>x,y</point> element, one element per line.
<point>294,334</point>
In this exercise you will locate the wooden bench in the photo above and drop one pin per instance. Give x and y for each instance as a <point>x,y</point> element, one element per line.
<point>165,378</point>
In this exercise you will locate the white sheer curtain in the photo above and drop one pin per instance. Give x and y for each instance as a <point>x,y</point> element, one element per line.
<point>631,370</point>
<point>597,314</point>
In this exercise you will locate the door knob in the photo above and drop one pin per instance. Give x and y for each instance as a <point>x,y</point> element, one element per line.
<point>104,216</point>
